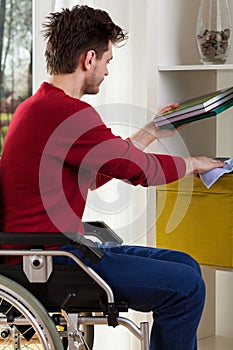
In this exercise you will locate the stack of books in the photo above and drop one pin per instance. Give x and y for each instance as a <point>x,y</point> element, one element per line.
<point>201,107</point>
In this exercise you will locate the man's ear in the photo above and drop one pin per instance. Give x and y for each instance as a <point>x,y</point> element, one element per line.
<point>89,59</point>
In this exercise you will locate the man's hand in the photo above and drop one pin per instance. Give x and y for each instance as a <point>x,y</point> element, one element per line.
<point>198,165</point>
<point>145,136</point>
<point>155,130</point>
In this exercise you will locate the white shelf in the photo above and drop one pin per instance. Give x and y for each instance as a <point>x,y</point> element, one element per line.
<point>196,67</point>
<point>179,76</point>
<point>216,343</point>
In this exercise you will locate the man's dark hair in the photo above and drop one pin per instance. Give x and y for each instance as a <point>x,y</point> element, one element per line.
<point>70,33</point>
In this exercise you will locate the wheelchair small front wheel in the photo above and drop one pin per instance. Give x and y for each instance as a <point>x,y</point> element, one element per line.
<point>24,322</point>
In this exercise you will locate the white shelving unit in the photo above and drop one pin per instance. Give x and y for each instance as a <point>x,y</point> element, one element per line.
<point>196,67</point>
<point>210,335</point>
<point>180,76</point>
<point>180,82</point>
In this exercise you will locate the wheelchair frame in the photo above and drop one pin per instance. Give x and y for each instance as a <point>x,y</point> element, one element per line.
<point>30,285</point>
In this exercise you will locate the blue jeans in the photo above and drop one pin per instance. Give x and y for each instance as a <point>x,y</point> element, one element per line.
<point>166,282</point>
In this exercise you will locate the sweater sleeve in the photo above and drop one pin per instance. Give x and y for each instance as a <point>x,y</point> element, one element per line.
<point>92,146</point>
<point>142,169</point>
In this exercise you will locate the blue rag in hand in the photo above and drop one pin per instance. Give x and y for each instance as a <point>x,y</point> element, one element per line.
<point>210,177</point>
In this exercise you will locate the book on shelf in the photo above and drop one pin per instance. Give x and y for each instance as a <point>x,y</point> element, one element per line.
<point>194,109</point>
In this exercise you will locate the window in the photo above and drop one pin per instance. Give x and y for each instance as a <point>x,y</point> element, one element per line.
<point>15,58</point>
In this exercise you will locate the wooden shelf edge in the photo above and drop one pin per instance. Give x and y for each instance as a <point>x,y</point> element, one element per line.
<point>216,342</point>
<point>218,268</point>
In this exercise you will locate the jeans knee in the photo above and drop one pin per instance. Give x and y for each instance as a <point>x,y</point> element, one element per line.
<point>202,288</point>
<point>184,258</point>
<point>199,293</point>
<point>192,262</point>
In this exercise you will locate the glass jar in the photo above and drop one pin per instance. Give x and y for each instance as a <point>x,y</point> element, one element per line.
<point>213,31</point>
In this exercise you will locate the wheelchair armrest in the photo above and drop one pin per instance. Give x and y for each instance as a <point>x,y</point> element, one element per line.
<point>86,247</point>
<point>38,239</point>
<point>33,238</point>
<point>101,231</point>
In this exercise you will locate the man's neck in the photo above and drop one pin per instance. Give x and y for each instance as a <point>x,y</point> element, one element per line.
<point>69,83</point>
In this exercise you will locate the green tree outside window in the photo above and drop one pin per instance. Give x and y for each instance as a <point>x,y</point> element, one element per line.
<point>15,58</point>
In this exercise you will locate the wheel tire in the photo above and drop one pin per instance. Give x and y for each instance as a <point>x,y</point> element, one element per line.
<point>21,303</point>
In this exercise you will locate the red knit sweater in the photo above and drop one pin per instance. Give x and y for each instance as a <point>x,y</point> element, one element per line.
<point>56,149</point>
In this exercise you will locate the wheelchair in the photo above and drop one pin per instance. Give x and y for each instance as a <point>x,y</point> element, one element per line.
<point>54,307</point>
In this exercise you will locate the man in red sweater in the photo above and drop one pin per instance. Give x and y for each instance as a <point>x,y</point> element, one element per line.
<point>57,148</point>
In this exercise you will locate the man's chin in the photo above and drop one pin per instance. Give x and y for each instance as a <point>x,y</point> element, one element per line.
<point>93,92</point>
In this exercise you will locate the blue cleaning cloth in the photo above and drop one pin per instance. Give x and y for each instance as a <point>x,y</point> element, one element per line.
<point>210,177</point>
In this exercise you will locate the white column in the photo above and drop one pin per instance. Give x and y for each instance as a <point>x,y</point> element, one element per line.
<point>40,10</point>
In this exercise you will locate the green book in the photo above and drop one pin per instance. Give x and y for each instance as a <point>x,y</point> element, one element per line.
<point>204,106</point>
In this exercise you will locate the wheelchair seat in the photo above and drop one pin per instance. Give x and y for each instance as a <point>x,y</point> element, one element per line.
<point>60,291</point>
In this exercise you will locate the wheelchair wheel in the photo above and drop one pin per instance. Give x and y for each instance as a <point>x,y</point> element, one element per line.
<point>24,322</point>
